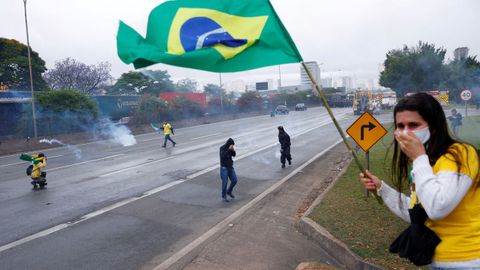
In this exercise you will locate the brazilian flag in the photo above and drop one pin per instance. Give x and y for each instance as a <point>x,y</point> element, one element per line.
<point>211,35</point>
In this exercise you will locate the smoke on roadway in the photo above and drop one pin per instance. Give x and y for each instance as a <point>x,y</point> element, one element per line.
<point>76,151</point>
<point>114,133</point>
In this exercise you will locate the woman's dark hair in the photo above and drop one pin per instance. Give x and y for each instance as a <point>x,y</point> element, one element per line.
<point>440,140</point>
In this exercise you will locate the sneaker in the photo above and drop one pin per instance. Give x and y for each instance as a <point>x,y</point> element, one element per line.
<point>289,162</point>
<point>231,195</point>
<point>164,146</point>
<point>283,166</point>
<point>174,144</point>
<point>225,199</point>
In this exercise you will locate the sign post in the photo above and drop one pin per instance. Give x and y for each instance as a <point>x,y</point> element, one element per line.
<point>366,131</point>
<point>466,95</point>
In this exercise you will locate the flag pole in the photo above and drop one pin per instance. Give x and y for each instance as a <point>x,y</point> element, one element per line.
<point>339,129</point>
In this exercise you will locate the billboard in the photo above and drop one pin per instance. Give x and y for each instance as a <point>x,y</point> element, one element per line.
<point>261,86</point>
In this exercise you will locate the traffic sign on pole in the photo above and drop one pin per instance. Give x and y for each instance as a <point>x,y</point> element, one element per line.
<point>366,131</point>
<point>466,95</point>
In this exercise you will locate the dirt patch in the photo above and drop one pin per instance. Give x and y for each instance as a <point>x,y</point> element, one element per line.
<point>331,173</point>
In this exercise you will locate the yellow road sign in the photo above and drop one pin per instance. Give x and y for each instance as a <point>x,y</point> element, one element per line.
<point>366,131</point>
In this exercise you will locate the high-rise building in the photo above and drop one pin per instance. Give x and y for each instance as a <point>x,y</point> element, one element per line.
<point>326,82</point>
<point>314,70</point>
<point>347,82</point>
<point>461,53</point>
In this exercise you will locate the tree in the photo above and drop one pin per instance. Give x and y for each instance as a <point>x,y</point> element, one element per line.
<point>217,96</point>
<point>183,108</point>
<point>14,71</point>
<point>67,100</point>
<point>186,85</point>
<point>213,90</point>
<point>151,110</point>
<point>131,83</point>
<point>63,111</point>
<point>461,74</point>
<point>249,101</point>
<point>413,69</point>
<point>74,75</point>
<point>161,81</point>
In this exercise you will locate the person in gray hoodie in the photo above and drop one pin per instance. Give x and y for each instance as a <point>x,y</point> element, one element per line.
<point>227,171</point>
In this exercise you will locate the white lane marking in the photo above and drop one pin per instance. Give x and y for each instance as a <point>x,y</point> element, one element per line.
<point>23,162</point>
<point>192,245</point>
<point>86,217</point>
<point>224,223</point>
<point>80,163</point>
<point>136,166</point>
<point>206,136</point>
<point>271,127</point>
<point>191,176</point>
<point>151,139</point>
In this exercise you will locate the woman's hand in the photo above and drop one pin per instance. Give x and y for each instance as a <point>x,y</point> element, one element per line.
<point>370,181</point>
<point>410,145</point>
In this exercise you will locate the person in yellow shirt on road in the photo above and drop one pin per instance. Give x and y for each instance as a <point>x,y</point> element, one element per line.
<point>167,131</point>
<point>39,162</point>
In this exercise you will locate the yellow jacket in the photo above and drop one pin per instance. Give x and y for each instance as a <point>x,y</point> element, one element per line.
<point>167,129</point>
<point>460,230</point>
<point>38,166</point>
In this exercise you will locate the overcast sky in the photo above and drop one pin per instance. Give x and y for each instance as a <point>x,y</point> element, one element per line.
<point>350,37</point>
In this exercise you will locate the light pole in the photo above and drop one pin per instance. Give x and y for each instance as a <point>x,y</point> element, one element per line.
<point>30,70</point>
<point>279,78</point>
<point>221,92</point>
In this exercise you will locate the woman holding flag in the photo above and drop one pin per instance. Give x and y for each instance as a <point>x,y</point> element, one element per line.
<point>443,175</point>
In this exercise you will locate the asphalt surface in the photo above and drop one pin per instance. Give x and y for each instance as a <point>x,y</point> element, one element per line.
<point>139,206</point>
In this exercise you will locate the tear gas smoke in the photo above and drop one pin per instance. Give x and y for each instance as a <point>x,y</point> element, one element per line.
<point>119,134</point>
<point>76,151</point>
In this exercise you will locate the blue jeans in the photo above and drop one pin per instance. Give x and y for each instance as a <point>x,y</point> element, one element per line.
<point>225,173</point>
<point>167,137</point>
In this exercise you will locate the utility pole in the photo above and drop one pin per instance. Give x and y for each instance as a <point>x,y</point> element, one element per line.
<point>279,79</point>
<point>31,74</point>
<point>221,92</point>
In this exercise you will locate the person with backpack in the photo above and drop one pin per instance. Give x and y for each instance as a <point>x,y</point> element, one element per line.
<point>39,162</point>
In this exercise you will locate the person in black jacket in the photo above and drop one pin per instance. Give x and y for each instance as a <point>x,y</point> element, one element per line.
<point>227,171</point>
<point>284,140</point>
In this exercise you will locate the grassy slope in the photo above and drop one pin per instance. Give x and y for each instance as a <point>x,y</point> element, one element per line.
<point>365,226</point>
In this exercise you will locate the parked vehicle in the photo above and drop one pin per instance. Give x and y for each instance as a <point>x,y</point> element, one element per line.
<point>282,109</point>
<point>300,107</point>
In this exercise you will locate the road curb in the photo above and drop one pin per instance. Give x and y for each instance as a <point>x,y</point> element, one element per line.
<point>326,240</point>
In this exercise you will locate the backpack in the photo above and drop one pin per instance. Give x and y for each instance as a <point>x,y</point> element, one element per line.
<point>29,170</point>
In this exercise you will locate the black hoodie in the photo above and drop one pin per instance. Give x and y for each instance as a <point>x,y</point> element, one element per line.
<point>227,154</point>
<point>283,138</point>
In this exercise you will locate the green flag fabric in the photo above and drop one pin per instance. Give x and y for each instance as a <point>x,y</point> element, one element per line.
<point>211,35</point>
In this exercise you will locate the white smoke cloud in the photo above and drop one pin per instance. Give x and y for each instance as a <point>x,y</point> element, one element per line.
<point>76,151</point>
<point>118,134</point>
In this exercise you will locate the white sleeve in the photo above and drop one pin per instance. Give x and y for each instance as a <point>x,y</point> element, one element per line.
<point>396,202</point>
<point>440,193</point>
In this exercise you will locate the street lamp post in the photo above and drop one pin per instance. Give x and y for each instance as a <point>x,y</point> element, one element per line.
<point>221,93</point>
<point>30,70</point>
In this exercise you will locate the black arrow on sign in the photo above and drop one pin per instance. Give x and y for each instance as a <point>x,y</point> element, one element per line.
<point>370,126</point>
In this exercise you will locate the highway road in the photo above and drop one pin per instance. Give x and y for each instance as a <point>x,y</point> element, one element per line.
<point>112,207</point>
